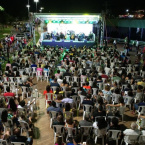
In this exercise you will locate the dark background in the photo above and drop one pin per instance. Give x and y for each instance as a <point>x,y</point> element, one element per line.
<point>17,8</point>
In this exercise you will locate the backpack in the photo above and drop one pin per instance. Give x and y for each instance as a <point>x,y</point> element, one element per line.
<point>36,133</point>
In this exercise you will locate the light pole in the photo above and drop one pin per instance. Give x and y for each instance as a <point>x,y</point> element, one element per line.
<point>28,6</point>
<point>36,1</point>
<point>41,9</point>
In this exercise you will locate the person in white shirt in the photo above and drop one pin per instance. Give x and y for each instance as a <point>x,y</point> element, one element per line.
<point>132,131</point>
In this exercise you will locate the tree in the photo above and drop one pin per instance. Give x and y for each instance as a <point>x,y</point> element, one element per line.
<point>1,8</point>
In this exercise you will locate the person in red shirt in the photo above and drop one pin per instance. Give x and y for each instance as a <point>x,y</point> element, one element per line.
<point>104,75</point>
<point>87,87</point>
<point>8,93</point>
<point>48,90</point>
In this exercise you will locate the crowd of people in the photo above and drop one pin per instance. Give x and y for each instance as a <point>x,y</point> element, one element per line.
<point>101,82</point>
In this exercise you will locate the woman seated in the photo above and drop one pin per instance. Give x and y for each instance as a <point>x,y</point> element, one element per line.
<point>57,75</point>
<point>121,105</point>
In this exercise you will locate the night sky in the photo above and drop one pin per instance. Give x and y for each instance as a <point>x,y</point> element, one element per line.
<point>17,8</point>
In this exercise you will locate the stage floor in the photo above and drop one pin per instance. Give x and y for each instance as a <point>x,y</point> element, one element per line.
<point>67,43</point>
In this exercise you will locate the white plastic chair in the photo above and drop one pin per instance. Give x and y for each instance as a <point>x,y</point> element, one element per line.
<point>34,71</point>
<point>113,134</point>
<point>87,109</point>
<point>141,110</point>
<point>122,110</point>
<point>49,98</point>
<point>28,71</point>
<point>70,132</point>
<point>94,90</point>
<point>85,131</point>
<point>53,115</point>
<point>12,80</point>
<point>8,125</point>
<point>142,138</point>
<point>3,142</point>
<point>25,90</point>
<point>98,134</point>
<point>18,143</point>
<point>82,97</point>
<point>46,75</point>
<point>130,139</point>
<point>39,75</point>
<point>54,88</point>
<point>24,127</point>
<point>127,101</point>
<point>115,98</point>
<point>18,80</point>
<point>75,79</point>
<point>67,78</point>
<point>58,130</point>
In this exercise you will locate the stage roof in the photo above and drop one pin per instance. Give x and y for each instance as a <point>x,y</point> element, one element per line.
<point>59,17</point>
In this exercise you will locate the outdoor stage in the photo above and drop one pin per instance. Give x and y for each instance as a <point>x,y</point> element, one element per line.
<point>65,30</point>
<point>67,44</point>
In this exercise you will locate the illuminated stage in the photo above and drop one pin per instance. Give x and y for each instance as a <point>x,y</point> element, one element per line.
<point>67,30</point>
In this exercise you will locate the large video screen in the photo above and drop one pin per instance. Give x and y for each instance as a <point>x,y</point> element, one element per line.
<point>65,28</point>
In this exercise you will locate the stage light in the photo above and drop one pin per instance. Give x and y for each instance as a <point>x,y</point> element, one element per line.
<point>75,22</point>
<point>46,21</point>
